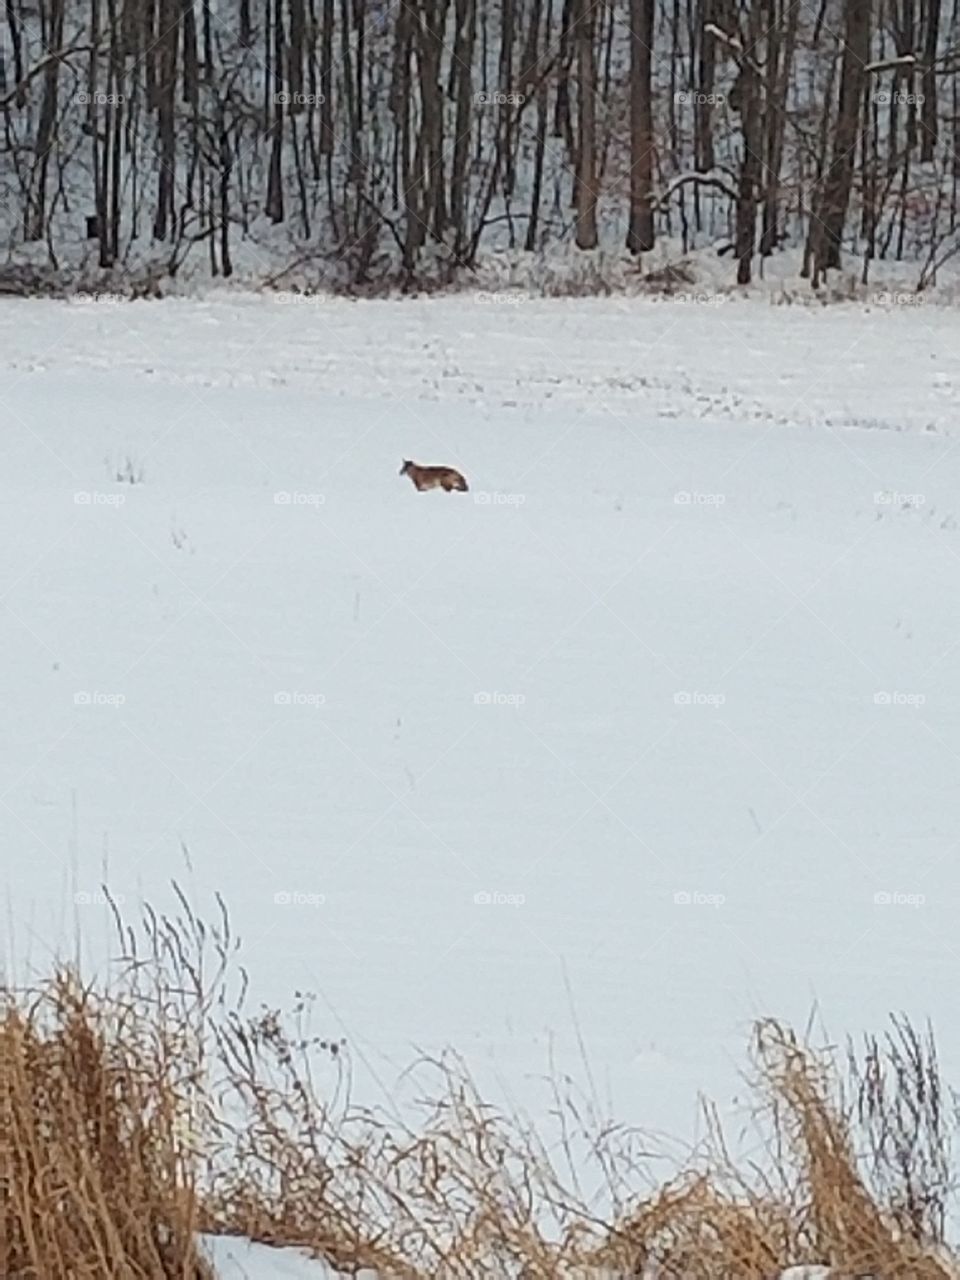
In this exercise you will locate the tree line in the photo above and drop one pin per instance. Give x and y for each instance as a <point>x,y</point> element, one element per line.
<point>407,138</point>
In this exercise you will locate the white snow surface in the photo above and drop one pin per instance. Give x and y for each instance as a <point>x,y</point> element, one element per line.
<point>652,733</point>
<point>236,1258</point>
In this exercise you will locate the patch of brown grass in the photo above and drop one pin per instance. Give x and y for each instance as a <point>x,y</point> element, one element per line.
<point>95,1183</point>
<point>140,1110</point>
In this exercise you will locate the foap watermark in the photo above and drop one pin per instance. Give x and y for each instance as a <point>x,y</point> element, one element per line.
<point>897,698</point>
<point>893,298</point>
<point>297,698</point>
<point>694,898</point>
<point>92,698</point>
<point>494,498</point>
<point>298,99</point>
<point>97,898</point>
<point>296,898</point>
<point>685,297</point>
<point>694,698</point>
<point>894,498</point>
<point>895,898</point>
<point>500,297</point>
<point>885,97</point>
<point>285,498</point>
<point>99,99</point>
<point>487,698</point>
<point>93,498</point>
<point>85,297</point>
<point>498,99</point>
<point>693,98</point>
<point>493,898</point>
<point>290,298</point>
<point>693,498</point>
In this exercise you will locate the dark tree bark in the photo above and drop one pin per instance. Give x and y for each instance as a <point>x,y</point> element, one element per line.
<point>640,234</point>
<point>166,92</point>
<point>16,45</point>
<point>838,179</point>
<point>781,45</point>
<point>466,23</point>
<point>36,219</point>
<point>586,171</point>
<point>747,100</point>
<point>562,117</point>
<point>706,72</point>
<point>191,62</point>
<point>535,77</point>
<point>929,131</point>
<point>274,205</point>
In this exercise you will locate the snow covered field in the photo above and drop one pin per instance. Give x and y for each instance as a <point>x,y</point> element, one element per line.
<point>235,1258</point>
<point>655,731</point>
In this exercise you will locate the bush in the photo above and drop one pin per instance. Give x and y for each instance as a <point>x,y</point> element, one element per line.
<point>142,1110</point>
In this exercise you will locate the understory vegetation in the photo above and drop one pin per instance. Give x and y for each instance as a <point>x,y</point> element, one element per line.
<point>145,1107</point>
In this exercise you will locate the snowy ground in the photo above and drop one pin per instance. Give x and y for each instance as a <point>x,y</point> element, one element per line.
<point>654,732</point>
<point>235,1258</point>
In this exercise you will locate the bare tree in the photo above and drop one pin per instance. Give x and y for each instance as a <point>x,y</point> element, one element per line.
<point>641,232</point>
<point>586,170</point>
<point>831,211</point>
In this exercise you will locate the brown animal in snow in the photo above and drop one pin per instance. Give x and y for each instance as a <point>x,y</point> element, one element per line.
<point>447,478</point>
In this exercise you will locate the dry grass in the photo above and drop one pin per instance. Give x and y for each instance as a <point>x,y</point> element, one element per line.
<point>96,1183</point>
<point>143,1109</point>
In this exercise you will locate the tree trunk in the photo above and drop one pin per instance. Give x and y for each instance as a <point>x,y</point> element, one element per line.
<point>751,115</point>
<point>586,171</point>
<point>780,51</point>
<point>838,179</point>
<point>703,140</point>
<point>466,22</point>
<point>640,233</point>
<point>928,110</point>
<point>166,91</point>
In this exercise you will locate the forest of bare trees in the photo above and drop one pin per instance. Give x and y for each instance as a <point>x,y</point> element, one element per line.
<point>398,142</point>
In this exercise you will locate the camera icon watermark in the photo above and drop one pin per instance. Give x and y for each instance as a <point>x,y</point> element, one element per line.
<point>896,698</point>
<point>684,297</point>
<point>496,699</point>
<point>298,99</point>
<point>99,99</point>
<point>497,99</point>
<point>692,498</point>
<point>92,698</point>
<point>484,498</point>
<point>298,698</point>
<point>289,298</point>
<point>884,97</point>
<point>97,898</point>
<point>93,498</point>
<point>898,899</point>
<point>694,898</point>
<point>691,97</point>
<point>285,498</point>
<point>893,298</point>
<point>486,898</point>
<point>694,698</point>
<point>296,898</point>
<point>507,297</point>
<point>894,498</point>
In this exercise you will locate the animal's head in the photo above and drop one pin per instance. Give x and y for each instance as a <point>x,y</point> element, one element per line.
<point>407,464</point>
